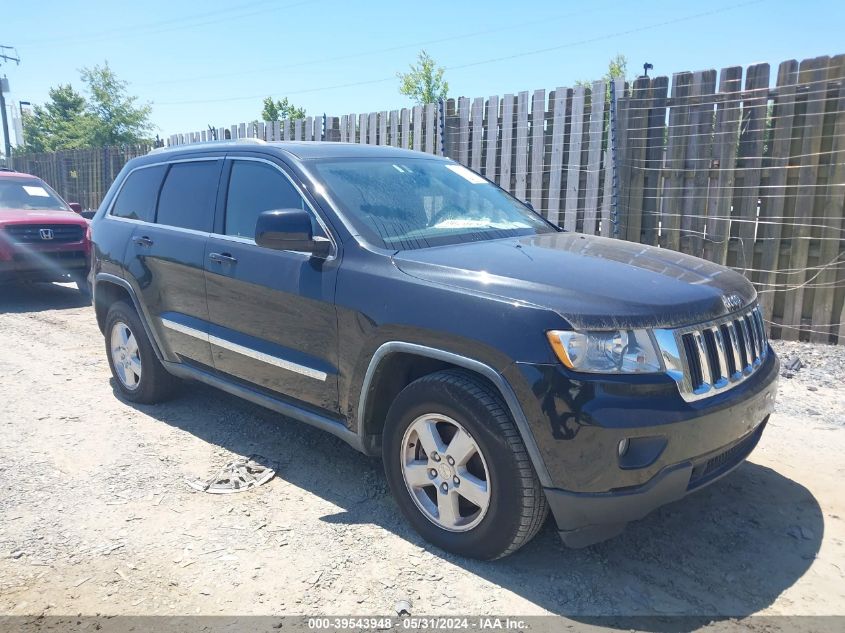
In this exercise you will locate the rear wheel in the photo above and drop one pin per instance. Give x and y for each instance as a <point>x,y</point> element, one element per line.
<point>139,375</point>
<point>458,468</point>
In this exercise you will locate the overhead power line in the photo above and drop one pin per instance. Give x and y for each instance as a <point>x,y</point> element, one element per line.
<point>493,60</point>
<point>172,24</point>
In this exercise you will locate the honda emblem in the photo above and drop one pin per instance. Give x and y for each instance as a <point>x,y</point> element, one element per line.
<point>46,234</point>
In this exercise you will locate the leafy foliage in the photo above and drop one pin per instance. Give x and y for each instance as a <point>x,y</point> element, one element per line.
<point>424,82</point>
<point>61,123</point>
<point>117,117</point>
<point>280,109</point>
<point>110,116</point>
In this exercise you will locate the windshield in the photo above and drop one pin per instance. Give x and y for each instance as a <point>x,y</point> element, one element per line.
<point>30,193</point>
<point>403,203</point>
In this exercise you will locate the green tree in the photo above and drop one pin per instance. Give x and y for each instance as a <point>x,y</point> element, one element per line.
<point>61,123</point>
<point>424,82</point>
<point>280,109</point>
<point>118,118</point>
<point>617,68</point>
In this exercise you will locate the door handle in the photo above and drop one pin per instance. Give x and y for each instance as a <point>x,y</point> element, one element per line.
<point>143,241</point>
<point>222,258</point>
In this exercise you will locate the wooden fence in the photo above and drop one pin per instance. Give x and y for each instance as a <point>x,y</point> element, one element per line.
<point>739,167</point>
<point>80,175</point>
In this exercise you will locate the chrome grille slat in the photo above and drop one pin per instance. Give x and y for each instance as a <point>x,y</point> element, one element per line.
<point>718,355</point>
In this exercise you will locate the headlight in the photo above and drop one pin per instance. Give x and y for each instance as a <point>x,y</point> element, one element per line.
<point>607,352</point>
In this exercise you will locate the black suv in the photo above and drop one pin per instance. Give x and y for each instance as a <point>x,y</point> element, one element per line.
<point>499,365</point>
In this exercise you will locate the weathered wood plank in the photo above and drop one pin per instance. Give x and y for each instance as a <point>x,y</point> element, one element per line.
<point>814,72</point>
<point>492,141</point>
<point>353,127</point>
<point>505,175</point>
<point>751,144</point>
<point>676,151</point>
<point>382,129</point>
<point>372,125</point>
<point>824,315</point>
<point>656,130</point>
<point>633,160</point>
<point>430,127</point>
<point>477,133</point>
<point>698,163</point>
<point>418,128</point>
<point>394,128</point>
<point>362,128</point>
<point>538,149</point>
<point>344,137</point>
<point>573,169</point>
<point>286,129</point>
<point>558,134</point>
<point>406,129</point>
<point>596,130</point>
<point>463,131</point>
<point>724,154</point>
<point>522,114</point>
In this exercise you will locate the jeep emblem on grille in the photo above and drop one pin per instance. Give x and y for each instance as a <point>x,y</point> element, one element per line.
<point>46,234</point>
<point>732,302</point>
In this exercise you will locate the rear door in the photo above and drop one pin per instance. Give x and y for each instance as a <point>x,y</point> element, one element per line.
<point>167,258</point>
<point>272,314</point>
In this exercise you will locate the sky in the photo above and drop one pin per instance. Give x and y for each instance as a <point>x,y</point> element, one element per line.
<point>212,62</point>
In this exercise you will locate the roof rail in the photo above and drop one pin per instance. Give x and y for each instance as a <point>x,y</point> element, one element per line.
<point>239,141</point>
<point>6,169</point>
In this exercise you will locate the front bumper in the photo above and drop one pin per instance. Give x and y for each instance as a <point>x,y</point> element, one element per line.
<point>675,447</point>
<point>43,266</point>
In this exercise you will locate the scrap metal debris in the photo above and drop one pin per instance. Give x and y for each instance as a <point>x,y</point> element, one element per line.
<point>237,476</point>
<point>790,367</point>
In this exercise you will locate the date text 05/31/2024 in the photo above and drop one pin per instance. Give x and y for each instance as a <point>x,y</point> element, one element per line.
<point>433,623</point>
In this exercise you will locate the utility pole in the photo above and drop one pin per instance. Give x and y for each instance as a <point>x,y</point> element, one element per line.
<point>6,56</point>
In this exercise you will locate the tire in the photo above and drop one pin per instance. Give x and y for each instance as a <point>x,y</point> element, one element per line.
<point>139,375</point>
<point>492,525</point>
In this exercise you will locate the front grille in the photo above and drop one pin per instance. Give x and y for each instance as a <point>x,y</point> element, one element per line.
<point>720,354</point>
<point>32,233</point>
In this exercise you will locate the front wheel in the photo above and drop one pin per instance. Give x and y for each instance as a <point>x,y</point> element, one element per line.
<point>458,468</point>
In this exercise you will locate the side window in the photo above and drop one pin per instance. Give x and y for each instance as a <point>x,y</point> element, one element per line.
<point>255,187</point>
<point>188,195</point>
<point>137,197</point>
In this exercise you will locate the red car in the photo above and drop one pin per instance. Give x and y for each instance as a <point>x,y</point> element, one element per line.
<point>42,237</point>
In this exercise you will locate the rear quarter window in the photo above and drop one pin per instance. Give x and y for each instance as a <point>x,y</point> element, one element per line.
<point>188,195</point>
<point>137,197</point>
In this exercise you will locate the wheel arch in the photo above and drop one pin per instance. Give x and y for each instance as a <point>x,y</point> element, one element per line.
<point>396,364</point>
<point>110,288</point>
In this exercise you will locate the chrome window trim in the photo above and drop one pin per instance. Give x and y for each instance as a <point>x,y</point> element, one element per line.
<point>231,238</point>
<point>270,359</point>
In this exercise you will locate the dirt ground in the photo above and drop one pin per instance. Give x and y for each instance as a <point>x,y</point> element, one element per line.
<point>96,517</point>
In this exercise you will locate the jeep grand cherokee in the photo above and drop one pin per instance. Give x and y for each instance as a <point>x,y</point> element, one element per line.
<point>500,366</point>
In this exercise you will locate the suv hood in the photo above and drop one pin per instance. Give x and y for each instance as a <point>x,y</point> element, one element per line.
<point>34,216</point>
<point>592,282</point>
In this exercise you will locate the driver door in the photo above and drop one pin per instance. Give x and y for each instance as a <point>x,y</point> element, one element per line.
<point>271,313</point>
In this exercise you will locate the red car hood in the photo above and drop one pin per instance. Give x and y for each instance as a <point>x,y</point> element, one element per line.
<point>34,216</point>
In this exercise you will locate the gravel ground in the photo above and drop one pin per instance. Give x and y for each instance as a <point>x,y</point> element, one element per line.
<point>97,517</point>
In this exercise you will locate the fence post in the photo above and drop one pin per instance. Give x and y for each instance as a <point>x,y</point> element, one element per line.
<point>614,196</point>
<point>441,126</point>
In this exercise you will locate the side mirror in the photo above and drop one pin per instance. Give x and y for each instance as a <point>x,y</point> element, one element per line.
<point>290,230</point>
<point>75,207</point>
